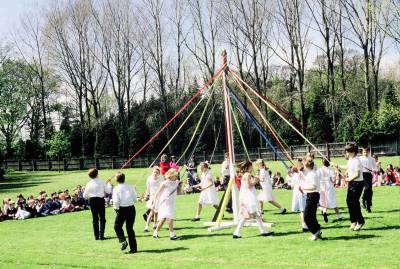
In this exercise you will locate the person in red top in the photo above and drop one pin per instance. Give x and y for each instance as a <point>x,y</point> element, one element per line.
<point>164,164</point>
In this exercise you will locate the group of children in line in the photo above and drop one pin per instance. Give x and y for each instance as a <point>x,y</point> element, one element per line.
<point>312,188</point>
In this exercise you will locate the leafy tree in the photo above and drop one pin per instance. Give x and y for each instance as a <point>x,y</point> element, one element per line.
<point>15,96</point>
<point>58,145</point>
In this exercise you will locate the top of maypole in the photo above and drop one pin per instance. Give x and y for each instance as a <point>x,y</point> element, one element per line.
<point>224,58</point>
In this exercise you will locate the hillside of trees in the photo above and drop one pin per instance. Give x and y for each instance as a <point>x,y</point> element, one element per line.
<point>98,78</point>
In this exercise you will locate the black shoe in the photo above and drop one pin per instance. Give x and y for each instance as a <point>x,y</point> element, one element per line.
<point>145,216</point>
<point>267,234</point>
<point>325,217</point>
<point>195,219</point>
<point>131,251</point>
<point>283,211</point>
<point>97,238</point>
<point>236,236</point>
<point>369,210</point>
<point>102,238</point>
<point>305,230</point>
<point>229,210</point>
<point>124,245</point>
<point>174,237</point>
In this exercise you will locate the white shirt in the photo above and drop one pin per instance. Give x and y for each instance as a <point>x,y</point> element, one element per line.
<point>123,196</point>
<point>96,188</point>
<point>311,179</point>
<point>354,165</point>
<point>326,174</point>
<point>368,164</point>
<point>225,168</point>
<point>154,184</point>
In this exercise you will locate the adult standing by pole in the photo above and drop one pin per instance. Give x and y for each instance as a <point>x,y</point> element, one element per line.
<point>94,192</point>
<point>124,197</point>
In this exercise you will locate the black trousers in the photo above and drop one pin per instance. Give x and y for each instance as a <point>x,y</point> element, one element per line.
<point>127,215</point>
<point>97,207</point>
<point>367,194</point>
<point>310,212</point>
<point>354,191</point>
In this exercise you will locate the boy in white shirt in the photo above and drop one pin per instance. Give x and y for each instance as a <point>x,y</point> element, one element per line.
<point>355,187</point>
<point>94,192</point>
<point>124,197</point>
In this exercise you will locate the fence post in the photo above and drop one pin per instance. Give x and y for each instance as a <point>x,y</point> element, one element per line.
<point>275,154</point>
<point>259,153</point>
<point>113,162</point>
<point>65,164</point>
<point>49,165</point>
<point>291,151</point>
<point>19,165</point>
<point>96,163</point>
<point>328,153</point>
<point>34,165</point>
<point>81,164</point>
<point>204,156</point>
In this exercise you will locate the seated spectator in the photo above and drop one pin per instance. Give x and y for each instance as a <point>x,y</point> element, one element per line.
<point>278,181</point>
<point>47,207</point>
<point>20,200</point>
<point>392,177</point>
<point>11,210</point>
<point>67,206</point>
<point>22,212</point>
<point>2,215</point>
<point>6,205</point>
<point>39,205</point>
<point>78,201</point>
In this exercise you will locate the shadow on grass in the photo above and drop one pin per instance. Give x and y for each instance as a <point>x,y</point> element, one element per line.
<point>352,237</point>
<point>387,211</point>
<point>194,236</point>
<point>7,187</point>
<point>166,250</point>
<point>382,228</point>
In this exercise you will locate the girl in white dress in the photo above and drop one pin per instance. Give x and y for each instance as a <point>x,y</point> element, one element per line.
<point>165,202</point>
<point>327,192</point>
<point>208,195</point>
<point>298,198</point>
<point>249,206</point>
<point>153,184</point>
<point>266,194</point>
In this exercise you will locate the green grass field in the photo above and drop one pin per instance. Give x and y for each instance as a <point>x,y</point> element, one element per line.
<point>66,241</point>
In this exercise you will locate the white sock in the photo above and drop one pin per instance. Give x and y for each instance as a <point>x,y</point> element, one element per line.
<point>155,233</point>
<point>239,226</point>
<point>339,216</point>
<point>171,234</point>
<point>260,225</point>
<point>304,225</point>
<point>146,227</point>
<point>282,209</point>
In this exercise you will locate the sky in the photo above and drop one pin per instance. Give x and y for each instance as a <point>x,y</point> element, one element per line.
<point>11,12</point>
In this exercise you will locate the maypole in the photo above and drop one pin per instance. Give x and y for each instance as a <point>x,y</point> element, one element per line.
<point>229,135</point>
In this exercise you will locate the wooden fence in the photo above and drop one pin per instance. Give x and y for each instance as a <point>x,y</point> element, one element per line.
<point>331,150</point>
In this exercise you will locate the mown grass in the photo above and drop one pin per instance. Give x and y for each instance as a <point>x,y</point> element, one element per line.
<point>65,241</point>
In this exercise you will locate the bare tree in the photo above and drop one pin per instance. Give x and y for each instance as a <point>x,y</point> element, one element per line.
<point>29,42</point>
<point>79,62</point>
<point>291,45</point>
